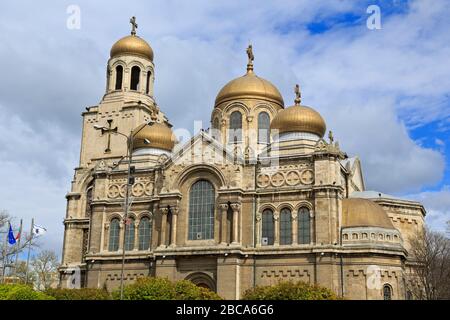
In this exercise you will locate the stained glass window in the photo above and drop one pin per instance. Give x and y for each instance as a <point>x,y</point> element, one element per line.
<point>268,227</point>
<point>304,234</point>
<point>114,234</point>
<point>145,233</point>
<point>129,235</point>
<point>263,127</point>
<point>235,127</point>
<point>201,211</point>
<point>285,227</point>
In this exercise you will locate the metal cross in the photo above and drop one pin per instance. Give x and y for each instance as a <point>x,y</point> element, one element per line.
<point>133,25</point>
<point>109,131</point>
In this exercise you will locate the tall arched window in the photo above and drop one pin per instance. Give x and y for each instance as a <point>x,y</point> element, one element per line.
<point>263,127</point>
<point>387,292</point>
<point>235,127</point>
<point>114,234</point>
<point>268,227</point>
<point>145,233</point>
<point>135,78</point>
<point>304,231</point>
<point>88,210</point>
<point>129,235</point>
<point>201,211</point>
<point>147,85</point>
<point>119,77</point>
<point>215,132</point>
<point>285,226</point>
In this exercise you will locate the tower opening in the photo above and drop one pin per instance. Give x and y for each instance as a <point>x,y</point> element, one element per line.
<point>135,77</point>
<point>147,88</point>
<point>119,77</point>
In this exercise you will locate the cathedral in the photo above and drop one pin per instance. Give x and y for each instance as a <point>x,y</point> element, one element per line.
<point>264,194</point>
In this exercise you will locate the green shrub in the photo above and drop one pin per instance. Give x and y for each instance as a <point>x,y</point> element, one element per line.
<point>21,292</point>
<point>150,288</point>
<point>79,294</point>
<point>289,290</point>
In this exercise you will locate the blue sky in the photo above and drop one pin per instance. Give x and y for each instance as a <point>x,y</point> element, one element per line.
<point>384,93</point>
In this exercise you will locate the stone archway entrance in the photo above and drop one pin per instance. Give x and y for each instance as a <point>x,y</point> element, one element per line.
<point>202,280</point>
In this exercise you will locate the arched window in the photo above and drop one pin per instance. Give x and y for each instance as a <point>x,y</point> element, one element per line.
<point>268,227</point>
<point>145,233</point>
<point>88,210</point>
<point>263,127</point>
<point>129,235</point>
<point>216,129</point>
<point>119,77</point>
<point>387,292</point>
<point>304,232</point>
<point>135,77</point>
<point>114,234</point>
<point>285,227</point>
<point>147,85</point>
<point>201,211</point>
<point>235,127</point>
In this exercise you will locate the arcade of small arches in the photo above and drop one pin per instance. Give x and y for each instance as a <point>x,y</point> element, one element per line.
<point>139,75</point>
<point>284,225</point>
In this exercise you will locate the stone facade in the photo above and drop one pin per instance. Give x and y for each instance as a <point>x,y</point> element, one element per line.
<point>301,182</point>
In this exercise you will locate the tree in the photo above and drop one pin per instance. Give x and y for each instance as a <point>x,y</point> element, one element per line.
<point>45,265</point>
<point>151,288</point>
<point>9,252</point>
<point>289,290</point>
<point>430,279</point>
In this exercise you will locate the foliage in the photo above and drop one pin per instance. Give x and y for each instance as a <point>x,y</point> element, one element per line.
<point>151,288</point>
<point>78,294</point>
<point>430,279</point>
<point>21,292</point>
<point>45,264</point>
<point>289,290</point>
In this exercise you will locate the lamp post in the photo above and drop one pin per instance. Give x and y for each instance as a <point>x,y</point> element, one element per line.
<point>127,195</point>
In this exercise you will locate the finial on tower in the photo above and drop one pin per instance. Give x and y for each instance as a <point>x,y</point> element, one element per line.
<point>251,57</point>
<point>330,136</point>
<point>133,25</point>
<point>298,95</point>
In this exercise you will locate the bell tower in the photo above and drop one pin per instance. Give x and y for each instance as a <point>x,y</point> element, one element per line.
<point>127,103</point>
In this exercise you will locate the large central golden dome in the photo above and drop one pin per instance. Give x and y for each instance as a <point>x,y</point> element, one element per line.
<point>298,118</point>
<point>249,86</point>
<point>133,45</point>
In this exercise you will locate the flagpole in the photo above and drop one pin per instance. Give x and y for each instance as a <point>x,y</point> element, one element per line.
<point>29,249</point>
<point>18,247</point>
<point>5,248</point>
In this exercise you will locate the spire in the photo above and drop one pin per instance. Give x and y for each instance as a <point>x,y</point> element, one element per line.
<point>133,25</point>
<point>298,95</point>
<point>251,57</point>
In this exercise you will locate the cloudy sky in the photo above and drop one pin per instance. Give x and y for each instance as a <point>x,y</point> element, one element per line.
<point>384,92</point>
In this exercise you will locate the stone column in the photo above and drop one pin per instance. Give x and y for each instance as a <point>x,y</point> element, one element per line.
<point>236,207</point>
<point>258,229</point>
<point>173,241</point>
<point>164,212</point>
<point>276,217</point>
<point>136,235</point>
<point>121,234</point>
<point>223,223</point>
<point>294,228</point>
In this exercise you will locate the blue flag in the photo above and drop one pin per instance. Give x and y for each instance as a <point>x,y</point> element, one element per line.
<point>11,238</point>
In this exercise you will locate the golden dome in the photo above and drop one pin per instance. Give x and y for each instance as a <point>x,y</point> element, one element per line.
<point>159,135</point>
<point>298,118</point>
<point>132,45</point>
<point>249,86</point>
<point>358,212</point>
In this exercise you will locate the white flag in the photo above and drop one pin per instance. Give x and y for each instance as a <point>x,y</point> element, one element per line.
<point>38,230</point>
